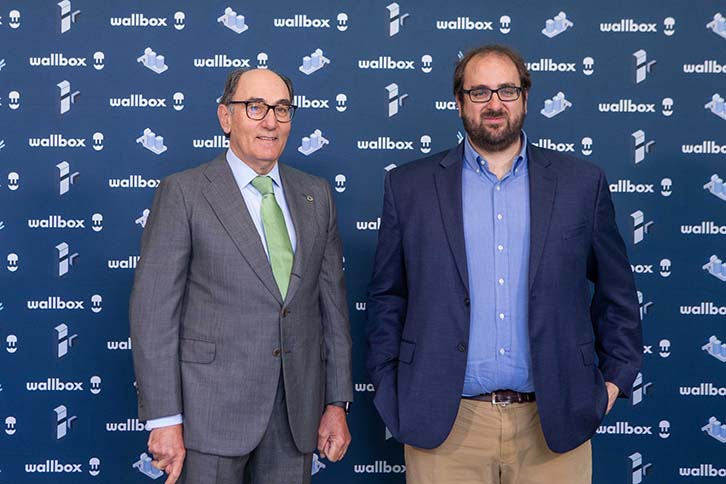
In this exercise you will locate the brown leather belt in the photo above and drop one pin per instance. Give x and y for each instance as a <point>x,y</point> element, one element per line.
<point>503,397</point>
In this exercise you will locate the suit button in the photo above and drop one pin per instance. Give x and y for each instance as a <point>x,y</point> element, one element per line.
<point>467,301</point>
<point>461,347</point>
<point>276,352</point>
<point>285,312</point>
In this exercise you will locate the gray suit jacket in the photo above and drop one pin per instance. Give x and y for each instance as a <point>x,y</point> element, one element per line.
<point>210,330</point>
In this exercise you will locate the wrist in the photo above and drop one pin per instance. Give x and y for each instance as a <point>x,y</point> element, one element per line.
<point>344,406</point>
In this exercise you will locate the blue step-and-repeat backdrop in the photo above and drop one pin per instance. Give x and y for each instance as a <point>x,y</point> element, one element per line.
<point>100,100</point>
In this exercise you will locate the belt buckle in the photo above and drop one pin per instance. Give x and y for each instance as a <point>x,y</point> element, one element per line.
<point>502,403</point>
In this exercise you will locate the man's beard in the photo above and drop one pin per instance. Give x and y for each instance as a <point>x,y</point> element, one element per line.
<point>484,138</point>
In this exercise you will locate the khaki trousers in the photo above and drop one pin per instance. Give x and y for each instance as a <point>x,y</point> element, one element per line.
<point>495,444</point>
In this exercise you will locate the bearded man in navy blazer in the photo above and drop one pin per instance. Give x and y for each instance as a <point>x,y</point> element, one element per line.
<point>503,317</point>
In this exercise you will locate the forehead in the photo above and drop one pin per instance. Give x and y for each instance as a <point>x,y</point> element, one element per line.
<point>490,70</point>
<point>261,84</point>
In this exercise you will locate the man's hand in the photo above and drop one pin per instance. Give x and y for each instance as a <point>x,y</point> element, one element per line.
<point>613,392</point>
<point>166,445</point>
<point>333,434</point>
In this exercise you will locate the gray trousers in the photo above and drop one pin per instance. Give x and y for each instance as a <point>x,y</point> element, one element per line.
<point>276,460</point>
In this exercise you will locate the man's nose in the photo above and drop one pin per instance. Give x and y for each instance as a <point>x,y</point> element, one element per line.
<point>269,121</point>
<point>495,103</point>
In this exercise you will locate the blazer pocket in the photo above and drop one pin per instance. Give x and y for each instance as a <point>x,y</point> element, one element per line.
<point>196,351</point>
<point>405,351</point>
<point>575,230</point>
<point>588,354</point>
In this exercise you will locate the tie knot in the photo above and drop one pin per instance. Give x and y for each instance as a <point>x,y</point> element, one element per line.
<point>263,184</point>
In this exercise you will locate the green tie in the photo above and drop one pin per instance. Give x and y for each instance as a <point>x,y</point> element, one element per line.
<point>278,240</point>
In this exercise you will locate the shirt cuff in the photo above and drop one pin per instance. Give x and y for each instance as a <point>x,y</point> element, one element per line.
<point>155,423</point>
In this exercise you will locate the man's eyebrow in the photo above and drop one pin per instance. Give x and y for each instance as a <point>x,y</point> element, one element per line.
<point>262,100</point>
<point>505,84</point>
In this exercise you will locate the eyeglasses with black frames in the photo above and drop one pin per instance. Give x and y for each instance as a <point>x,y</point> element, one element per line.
<point>482,94</point>
<point>257,110</point>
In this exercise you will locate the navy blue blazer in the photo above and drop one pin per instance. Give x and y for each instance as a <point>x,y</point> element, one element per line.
<point>418,299</point>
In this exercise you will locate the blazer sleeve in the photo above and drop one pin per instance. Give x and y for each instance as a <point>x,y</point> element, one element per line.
<point>334,309</point>
<point>614,308</point>
<point>387,293</point>
<point>155,307</point>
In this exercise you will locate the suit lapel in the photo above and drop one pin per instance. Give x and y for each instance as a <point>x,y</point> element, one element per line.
<point>448,189</point>
<point>542,185</point>
<point>224,197</point>
<point>301,203</point>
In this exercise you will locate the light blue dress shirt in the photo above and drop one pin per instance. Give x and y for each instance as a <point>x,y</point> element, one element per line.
<point>244,175</point>
<point>496,232</point>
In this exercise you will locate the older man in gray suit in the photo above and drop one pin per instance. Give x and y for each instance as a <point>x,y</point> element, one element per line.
<point>239,319</point>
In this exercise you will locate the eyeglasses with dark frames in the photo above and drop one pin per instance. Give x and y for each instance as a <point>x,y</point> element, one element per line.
<point>484,94</point>
<point>257,110</point>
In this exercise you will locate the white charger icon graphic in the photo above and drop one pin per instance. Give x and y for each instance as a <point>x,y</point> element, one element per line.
<point>233,21</point>
<point>311,144</point>
<point>313,62</point>
<point>152,142</point>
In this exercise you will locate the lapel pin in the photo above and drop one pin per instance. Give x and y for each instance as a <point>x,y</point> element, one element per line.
<point>309,198</point>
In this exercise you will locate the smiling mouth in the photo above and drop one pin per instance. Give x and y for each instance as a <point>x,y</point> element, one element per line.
<point>267,138</point>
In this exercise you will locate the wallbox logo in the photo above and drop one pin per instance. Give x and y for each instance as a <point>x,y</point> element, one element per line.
<point>704,309</point>
<point>122,345</point>
<point>53,466</point>
<point>379,467</point>
<point>384,143</point>
<point>706,67</point>
<point>703,390</point>
<point>54,303</point>
<point>465,23</point>
<point>133,181</point>
<point>56,222</point>
<point>445,105</point>
<point>364,387</point>
<point>626,106</point>
<point>370,225</point>
<point>627,186</point>
<point>703,470</point>
<point>215,142</point>
<point>302,102</point>
<point>301,20</point>
<point>57,141</point>
<point>54,385</point>
<point>221,60</point>
<point>58,59</point>
<point>386,62</point>
<point>136,101</point>
<point>130,425</point>
<point>141,20</point>
<point>553,145</point>
<point>704,228</point>
<point>550,65</point>
<point>707,147</point>
<point>624,428</point>
<point>628,25</point>
<point>128,263</point>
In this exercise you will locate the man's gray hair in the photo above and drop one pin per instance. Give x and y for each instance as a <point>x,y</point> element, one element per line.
<point>233,79</point>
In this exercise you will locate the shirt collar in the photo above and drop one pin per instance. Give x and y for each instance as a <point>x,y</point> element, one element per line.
<point>244,174</point>
<point>473,159</point>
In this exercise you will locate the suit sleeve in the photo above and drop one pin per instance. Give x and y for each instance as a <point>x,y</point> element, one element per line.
<point>334,309</point>
<point>387,293</point>
<point>614,308</point>
<point>156,303</point>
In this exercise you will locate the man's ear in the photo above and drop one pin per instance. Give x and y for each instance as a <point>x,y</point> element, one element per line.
<point>224,114</point>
